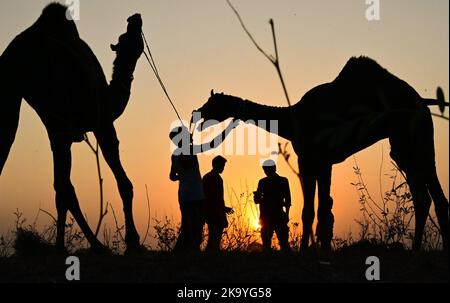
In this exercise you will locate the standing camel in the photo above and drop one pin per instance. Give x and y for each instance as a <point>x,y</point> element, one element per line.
<point>59,76</point>
<point>332,121</point>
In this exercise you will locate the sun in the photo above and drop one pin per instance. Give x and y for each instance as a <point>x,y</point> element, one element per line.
<point>256,224</point>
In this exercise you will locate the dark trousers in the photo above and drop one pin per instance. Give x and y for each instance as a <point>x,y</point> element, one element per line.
<point>191,231</point>
<point>215,232</point>
<point>324,229</point>
<point>268,227</point>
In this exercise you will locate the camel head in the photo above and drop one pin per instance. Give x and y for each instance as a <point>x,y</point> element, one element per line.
<point>131,43</point>
<point>55,19</point>
<point>213,111</point>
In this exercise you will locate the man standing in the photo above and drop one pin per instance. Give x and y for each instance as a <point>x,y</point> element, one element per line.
<point>272,195</point>
<point>214,208</point>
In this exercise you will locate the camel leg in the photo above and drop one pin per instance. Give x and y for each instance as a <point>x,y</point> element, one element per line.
<point>309,188</point>
<point>440,206</point>
<point>422,203</point>
<point>412,148</point>
<point>421,198</point>
<point>66,198</point>
<point>109,144</point>
<point>434,187</point>
<point>9,120</point>
<point>325,217</point>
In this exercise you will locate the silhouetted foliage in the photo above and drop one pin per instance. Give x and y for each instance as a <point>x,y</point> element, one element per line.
<point>389,222</point>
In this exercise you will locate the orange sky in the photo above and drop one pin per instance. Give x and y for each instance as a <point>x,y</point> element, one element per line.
<point>199,45</point>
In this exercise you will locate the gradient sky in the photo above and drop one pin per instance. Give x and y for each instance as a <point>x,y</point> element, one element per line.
<point>199,45</point>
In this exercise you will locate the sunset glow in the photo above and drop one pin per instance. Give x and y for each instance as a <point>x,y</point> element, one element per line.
<point>199,46</point>
<point>256,225</point>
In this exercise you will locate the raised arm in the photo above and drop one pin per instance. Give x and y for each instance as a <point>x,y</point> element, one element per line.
<point>217,140</point>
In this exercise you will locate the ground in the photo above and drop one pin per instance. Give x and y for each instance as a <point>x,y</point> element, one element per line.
<point>347,265</point>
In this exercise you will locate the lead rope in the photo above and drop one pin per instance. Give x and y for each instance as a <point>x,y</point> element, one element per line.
<point>152,64</point>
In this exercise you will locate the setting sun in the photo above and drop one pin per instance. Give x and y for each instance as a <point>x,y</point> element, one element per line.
<point>256,224</point>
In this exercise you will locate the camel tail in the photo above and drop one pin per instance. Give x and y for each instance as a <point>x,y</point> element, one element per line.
<point>439,101</point>
<point>431,102</point>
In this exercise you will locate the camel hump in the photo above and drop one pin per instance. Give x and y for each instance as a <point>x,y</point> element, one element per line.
<point>361,68</point>
<point>54,20</point>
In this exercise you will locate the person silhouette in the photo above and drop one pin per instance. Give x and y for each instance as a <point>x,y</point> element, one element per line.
<point>272,195</point>
<point>185,169</point>
<point>214,209</point>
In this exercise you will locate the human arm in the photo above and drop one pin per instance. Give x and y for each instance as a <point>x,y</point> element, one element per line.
<point>287,196</point>
<point>218,139</point>
<point>173,176</point>
<point>257,195</point>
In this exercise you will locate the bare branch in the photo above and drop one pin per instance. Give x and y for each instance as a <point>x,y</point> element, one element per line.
<point>250,35</point>
<point>149,215</point>
<point>47,213</point>
<point>96,152</point>
<point>118,229</point>
<point>440,116</point>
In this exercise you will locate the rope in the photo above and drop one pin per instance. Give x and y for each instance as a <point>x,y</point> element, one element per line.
<point>152,64</point>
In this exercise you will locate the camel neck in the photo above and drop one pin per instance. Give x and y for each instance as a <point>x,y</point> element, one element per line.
<point>123,70</point>
<point>262,115</point>
<point>120,85</point>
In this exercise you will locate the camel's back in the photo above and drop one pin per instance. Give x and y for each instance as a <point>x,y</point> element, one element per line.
<point>362,87</point>
<point>60,75</point>
<point>351,112</point>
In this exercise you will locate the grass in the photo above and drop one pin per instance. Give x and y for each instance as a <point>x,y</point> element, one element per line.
<point>28,255</point>
<point>35,260</point>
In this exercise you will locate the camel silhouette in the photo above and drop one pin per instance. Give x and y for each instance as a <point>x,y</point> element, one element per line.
<point>332,121</point>
<point>59,76</point>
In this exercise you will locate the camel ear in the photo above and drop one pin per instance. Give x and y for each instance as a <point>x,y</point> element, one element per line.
<point>212,92</point>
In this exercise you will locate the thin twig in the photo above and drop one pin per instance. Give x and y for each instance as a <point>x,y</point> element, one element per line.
<point>364,185</point>
<point>250,35</point>
<point>96,152</point>
<point>404,176</point>
<point>440,116</point>
<point>49,214</point>
<point>276,62</point>
<point>149,215</point>
<point>379,176</point>
<point>434,223</point>
<point>277,66</point>
<point>118,229</point>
